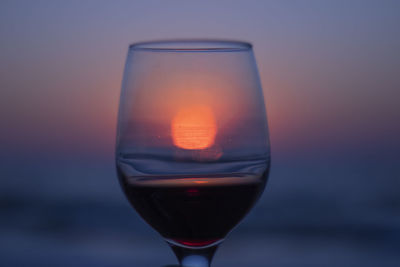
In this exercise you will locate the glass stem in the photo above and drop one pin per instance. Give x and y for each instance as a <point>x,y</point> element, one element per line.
<point>189,257</point>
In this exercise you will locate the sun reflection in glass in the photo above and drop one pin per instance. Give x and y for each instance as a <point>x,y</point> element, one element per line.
<point>194,127</point>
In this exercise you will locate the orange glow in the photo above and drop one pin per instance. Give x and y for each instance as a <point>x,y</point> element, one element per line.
<point>194,127</point>
<point>201,182</point>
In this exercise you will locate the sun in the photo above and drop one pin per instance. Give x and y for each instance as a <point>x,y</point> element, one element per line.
<point>194,127</point>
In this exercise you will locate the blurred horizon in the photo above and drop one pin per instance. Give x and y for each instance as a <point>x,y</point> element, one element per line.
<point>329,71</point>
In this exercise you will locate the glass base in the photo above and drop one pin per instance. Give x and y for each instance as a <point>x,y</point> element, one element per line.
<point>194,256</point>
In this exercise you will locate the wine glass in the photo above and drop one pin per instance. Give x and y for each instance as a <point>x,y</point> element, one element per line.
<point>192,151</point>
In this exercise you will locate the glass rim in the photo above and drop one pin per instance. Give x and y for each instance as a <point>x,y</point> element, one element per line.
<point>192,45</point>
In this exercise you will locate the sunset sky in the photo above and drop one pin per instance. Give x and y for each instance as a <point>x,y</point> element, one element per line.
<point>330,70</point>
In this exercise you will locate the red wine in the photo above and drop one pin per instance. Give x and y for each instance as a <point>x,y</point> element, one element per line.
<point>193,211</point>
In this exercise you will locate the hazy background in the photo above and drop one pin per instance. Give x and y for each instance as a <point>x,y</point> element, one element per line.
<point>331,77</point>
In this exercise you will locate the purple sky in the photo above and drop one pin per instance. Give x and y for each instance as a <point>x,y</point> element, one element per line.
<point>330,70</point>
<point>331,77</point>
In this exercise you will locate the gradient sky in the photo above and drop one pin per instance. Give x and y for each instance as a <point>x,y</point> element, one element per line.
<point>330,69</point>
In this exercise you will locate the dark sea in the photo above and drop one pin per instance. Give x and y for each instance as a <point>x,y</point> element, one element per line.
<point>332,213</point>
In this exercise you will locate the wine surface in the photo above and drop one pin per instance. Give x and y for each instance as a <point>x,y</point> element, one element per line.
<point>193,211</point>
